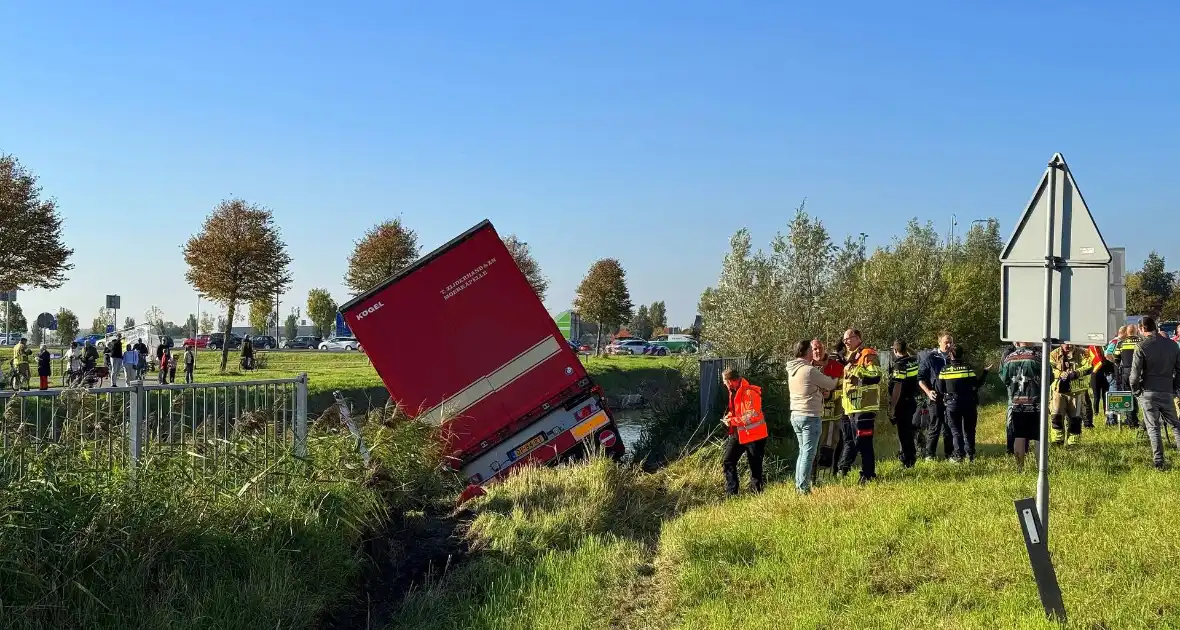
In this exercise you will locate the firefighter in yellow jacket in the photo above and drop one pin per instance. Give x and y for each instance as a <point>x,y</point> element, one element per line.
<point>1068,391</point>
<point>860,393</point>
<point>747,431</point>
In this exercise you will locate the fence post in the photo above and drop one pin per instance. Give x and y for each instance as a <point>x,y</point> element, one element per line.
<point>301,416</point>
<point>136,398</point>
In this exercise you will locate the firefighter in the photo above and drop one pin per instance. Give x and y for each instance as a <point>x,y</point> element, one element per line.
<point>1099,384</point>
<point>1094,358</point>
<point>747,431</point>
<point>833,410</point>
<point>861,399</point>
<point>1125,353</point>
<point>903,401</point>
<point>1068,392</point>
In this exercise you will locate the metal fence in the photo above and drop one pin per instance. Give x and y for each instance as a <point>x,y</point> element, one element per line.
<point>711,387</point>
<point>229,427</point>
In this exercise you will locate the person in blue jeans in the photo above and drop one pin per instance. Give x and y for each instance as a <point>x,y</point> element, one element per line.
<point>807,384</point>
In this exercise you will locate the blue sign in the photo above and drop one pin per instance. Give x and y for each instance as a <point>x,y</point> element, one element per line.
<point>110,328</point>
<point>342,329</point>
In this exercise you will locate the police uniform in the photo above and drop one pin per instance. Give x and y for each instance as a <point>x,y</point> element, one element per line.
<point>904,374</point>
<point>1068,391</point>
<point>1124,355</point>
<point>861,399</point>
<point>958,387</point>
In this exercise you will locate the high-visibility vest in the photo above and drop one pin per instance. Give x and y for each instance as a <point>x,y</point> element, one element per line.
<point>1078,362</point>
<point>861,385</point>
<point>833,409</point>
<point>1126,351</point>
<point>747,419</point>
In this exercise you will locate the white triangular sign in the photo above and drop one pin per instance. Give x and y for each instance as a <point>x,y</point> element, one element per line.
<point>1076,238</point>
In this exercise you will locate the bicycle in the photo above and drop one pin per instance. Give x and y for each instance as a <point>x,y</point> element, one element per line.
<point>17,381</point>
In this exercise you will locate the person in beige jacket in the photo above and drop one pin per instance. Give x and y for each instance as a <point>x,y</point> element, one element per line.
<point>807,384</point>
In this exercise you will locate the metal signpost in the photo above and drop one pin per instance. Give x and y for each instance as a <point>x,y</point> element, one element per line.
<point>113,303</point>
<point>8,297</point>
<point>1056,251</point>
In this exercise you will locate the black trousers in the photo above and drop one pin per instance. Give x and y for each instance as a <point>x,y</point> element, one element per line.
<point>907,420</point>
<point>936,426</point>
<point>963,421</point>
<point>857,435</point>
<point>1098,388</point>
<point>732,452</point>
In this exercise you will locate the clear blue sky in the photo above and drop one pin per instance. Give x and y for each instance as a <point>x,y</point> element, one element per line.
<point>646,131</point>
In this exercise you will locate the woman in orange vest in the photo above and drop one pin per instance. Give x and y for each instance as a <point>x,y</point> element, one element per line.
<point>747,431</point>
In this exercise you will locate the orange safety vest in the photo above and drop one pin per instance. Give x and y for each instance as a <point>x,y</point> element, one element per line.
<point>745,407</point>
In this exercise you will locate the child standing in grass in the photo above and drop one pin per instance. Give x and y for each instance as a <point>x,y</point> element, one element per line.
<point>173,360</point>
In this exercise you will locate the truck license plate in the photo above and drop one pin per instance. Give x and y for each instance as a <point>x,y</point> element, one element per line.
<point>527,447</point>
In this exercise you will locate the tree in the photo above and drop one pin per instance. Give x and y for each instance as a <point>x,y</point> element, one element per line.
<point>67,325</point>
<point>154,318</point>
<point>128,322</point>
<point>239,255</point>
<point>603,297</point>
<point>384,250</point>
<point>191,325</point>
<point>641,324</point>
<point>262,314</point>
<point>104,318</point>
<point>803,261</point>
<point>1150,288</point>
<point>16,317</point>
<point>36,336</point>
<point>206,324</point>
<point>528,265</point>
<point>291,327</point>
<point>970,305</point>
<point>33,254</point>
<point>659,317</point>
<point>321,310</point>
<point>739,314</point>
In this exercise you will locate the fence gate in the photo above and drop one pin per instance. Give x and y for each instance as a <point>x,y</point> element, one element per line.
<point>711,386</point>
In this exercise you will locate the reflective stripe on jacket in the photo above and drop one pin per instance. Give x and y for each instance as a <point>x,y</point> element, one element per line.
<point>746,417</point>
<point>862,383</point>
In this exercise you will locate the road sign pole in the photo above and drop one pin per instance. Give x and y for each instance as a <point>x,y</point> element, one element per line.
<point>1046,368</point>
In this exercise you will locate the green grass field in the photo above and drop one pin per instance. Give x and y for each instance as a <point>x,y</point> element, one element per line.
<point>938,546</point>
<point>352,374</point>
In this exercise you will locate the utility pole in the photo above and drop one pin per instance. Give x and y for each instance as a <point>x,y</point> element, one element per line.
<point>864,270</point>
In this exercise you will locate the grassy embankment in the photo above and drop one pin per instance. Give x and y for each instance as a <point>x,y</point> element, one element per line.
<point>939,546</point>
<point>176,549</point>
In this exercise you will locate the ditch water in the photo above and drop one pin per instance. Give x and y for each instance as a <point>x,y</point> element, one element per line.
<point>631,423</point>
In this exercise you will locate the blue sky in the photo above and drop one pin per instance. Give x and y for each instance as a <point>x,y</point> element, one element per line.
<point>646,131</point>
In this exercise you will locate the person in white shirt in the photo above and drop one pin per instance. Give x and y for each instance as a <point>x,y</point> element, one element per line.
<point>75,362</point>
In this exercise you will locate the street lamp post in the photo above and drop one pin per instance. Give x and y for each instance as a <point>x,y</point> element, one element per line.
<point>197,327</point>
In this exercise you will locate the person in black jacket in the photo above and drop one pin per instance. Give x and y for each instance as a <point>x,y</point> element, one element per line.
<point>958,388</point>
<point>44,369</point>
<point>903,400</point>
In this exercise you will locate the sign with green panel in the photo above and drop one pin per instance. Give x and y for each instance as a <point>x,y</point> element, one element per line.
<point>1120,402</point>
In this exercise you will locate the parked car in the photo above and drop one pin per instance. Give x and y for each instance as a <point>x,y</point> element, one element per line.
<point>200,341</point>
<point>94,339</point>
<point>263,342</point>
<point>216,341</point>
<point>340,343</point>
<point>301,343</point>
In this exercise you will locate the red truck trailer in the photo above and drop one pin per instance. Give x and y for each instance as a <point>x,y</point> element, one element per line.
<point>460,340</point>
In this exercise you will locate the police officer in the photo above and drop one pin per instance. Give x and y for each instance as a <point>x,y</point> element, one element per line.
<point>903,403</point>
<point>927,377</point>
<point>1125,353</point>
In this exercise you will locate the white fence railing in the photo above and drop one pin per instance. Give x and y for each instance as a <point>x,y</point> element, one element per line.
<point>239,425</point>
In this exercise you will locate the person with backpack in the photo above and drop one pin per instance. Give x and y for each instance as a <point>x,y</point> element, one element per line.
<point>861,397</point>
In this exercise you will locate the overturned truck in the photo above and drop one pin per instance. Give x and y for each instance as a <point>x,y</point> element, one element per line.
<point>461,341</point>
